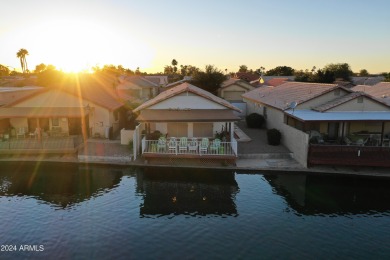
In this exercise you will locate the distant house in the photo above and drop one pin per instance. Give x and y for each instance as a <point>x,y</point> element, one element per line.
<point>161,80</point>
<point>370,81</point>
<point>247,76</point>
<point>192,114</point>
<point>334,116</point>
<point>232,89</point>
<point>70,110</point>
<point>380,91</point>
<point>272,81</point>
<point>138,87</point>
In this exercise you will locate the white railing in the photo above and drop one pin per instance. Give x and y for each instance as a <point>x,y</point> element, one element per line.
<point>158,147</point>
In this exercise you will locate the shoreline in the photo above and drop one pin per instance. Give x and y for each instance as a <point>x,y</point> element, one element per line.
<point>251,168</point>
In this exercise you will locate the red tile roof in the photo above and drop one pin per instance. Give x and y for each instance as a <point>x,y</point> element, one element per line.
<point>276,81</point>
<point>247,76</point>
<point>381,91</point>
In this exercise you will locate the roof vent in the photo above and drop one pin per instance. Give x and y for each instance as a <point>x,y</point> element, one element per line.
<point>384,96</point>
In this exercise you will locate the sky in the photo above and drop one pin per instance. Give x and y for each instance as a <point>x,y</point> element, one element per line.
<point>77,34</point>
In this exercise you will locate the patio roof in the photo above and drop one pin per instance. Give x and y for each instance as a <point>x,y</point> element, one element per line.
<point>311,115</point>
<point>39,112</point>
<point>198,115</point>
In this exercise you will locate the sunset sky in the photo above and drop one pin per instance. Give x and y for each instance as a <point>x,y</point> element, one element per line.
<point>77,34</point>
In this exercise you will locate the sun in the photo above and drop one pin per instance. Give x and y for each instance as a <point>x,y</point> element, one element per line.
<point>78,45</point>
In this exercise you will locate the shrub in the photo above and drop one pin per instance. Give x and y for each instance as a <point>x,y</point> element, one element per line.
<point>130,145</point>
<point>255,120</point>
<point>273,136</point>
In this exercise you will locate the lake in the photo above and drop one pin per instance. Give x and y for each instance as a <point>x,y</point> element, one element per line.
<point>70,211</point>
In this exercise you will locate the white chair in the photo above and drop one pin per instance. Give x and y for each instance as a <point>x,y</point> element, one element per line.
<point>193,145</point>
<point>21,132</point>
<point>172,145</point>
<point>183,144</point>
<point>204,145</point>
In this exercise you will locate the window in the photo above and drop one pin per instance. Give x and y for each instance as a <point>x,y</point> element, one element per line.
<point>337,92</point>
<point>360,100</point>
<point>55,121</point>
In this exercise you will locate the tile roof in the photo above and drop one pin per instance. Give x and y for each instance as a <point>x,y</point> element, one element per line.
<point>247,76</point>
<point>34,112</point>
<point>276,81</point>
<point>184,87</point>
<point>380,91</point>
<point>232,81</point>
<point>141,81</point>
<point>198,115</point>
<point>97,89</point>
<point>338,101</point>
<point>367,80</point>
<point>281,96</point>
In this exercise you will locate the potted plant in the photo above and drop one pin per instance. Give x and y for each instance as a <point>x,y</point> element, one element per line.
<point>274,136</point>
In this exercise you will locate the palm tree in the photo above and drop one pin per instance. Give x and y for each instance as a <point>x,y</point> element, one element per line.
<point>21,54</point>
<point>174,63</point>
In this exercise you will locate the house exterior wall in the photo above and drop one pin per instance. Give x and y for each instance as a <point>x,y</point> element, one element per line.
<point>369,126</point>
<point>322,99</point>
<point>366,105</point>
<point>295,140</point>
<point>99,120</point>
<point>192,128</point>
<point>187,102</point>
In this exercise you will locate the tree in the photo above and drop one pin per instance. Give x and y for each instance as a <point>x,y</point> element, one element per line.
<point>340,70</point>
<point>363,73</point>
<point>4,70</point>
<point>21,54</point>
<point>243,68</point>
<point>210,79</point>
<point>174,64</point>
<point>39,68</point>
<point>260,70</point>
<point>387,76</point>
<point>280,71</point>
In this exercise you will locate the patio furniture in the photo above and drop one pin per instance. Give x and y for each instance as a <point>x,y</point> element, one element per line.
<point>161,144</point>
<point>21,132</point>
<point>193,145</point>
<point>183,143</point>
<point>172,145</point>
<point>214,146</point>
<point>204,145</point>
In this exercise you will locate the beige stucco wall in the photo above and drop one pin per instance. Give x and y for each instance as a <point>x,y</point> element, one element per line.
<point>366,105</point>
<point>226,93</point>
<point>187,102</point>
<point>295,140</point>
<point>321,99</point>
<point>163,128</point>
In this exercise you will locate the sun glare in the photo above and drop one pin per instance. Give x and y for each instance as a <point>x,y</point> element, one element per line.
<point>78,45</point>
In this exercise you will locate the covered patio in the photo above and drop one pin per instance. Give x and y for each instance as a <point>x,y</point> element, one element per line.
<point>189,134</point>
<point>345,138</point>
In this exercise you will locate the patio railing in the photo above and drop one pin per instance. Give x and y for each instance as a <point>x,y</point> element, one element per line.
<point>31,144</point>
<point>349,155</point>
<point>220,149</point>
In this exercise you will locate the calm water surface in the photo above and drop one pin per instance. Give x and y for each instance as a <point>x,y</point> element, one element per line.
<point>80,212</point>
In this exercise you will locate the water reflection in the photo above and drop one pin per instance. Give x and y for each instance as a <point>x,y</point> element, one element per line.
<point>189,192</point>
<point>332,195</point>
<point>61,185</point>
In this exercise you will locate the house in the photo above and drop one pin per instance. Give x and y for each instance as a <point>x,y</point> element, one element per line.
<point>190,115</point>
<point>232,89</point>
<point>328,114</point>
<point>161,80</point>
<point>138,87</point>
<point>271,81</point>
<point>368,81</point>
<point>380,91</point>
<point>89,107</point>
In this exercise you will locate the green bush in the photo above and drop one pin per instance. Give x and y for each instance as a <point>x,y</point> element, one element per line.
<point>255,120</point>
<point>274,136</point>
<point>130,145</point>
